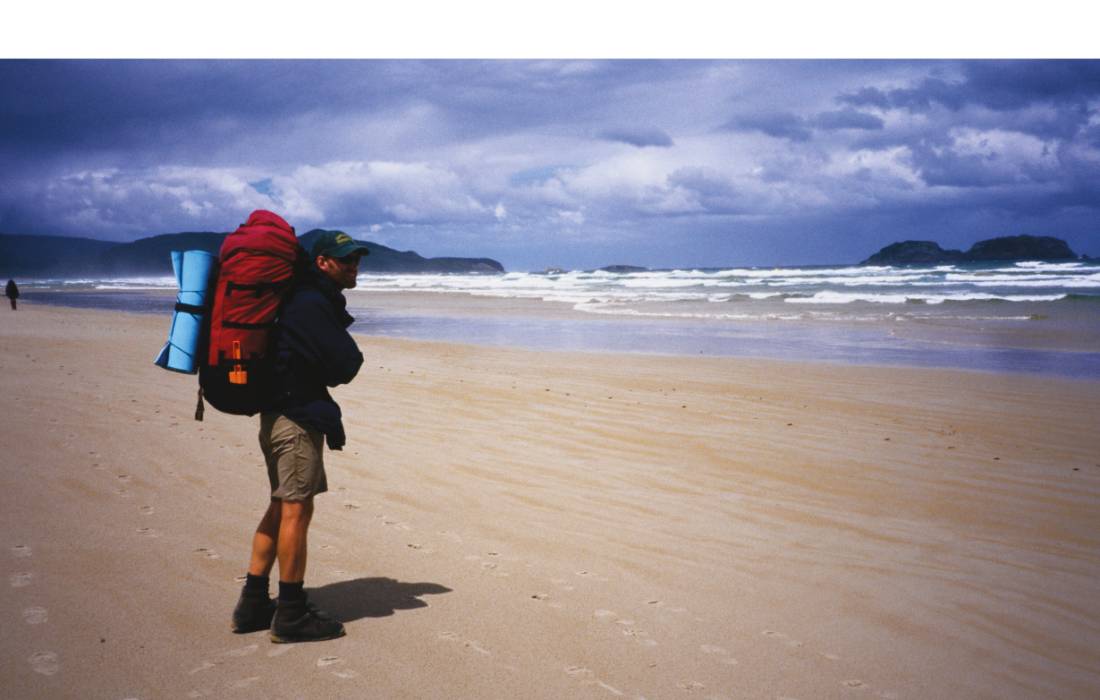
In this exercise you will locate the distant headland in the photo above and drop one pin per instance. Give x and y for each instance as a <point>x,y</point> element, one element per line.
<point>64,257</point>
<point>1005,248</point>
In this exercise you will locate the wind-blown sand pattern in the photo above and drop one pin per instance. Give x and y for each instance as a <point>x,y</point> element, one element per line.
<point>507,523</point>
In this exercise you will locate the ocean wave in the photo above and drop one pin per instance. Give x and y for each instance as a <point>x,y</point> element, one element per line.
<point>831,297</point>
<point>117,283</point>
<point>1040,265</point>
<point>608,310</point>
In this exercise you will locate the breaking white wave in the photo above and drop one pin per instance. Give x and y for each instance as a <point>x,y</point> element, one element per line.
<point>830,297</point>
<point>608,292</point>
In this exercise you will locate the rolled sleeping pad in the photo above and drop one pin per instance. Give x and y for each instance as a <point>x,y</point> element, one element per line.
<point>193,269</point>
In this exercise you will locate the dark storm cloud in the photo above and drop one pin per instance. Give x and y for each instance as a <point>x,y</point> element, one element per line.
<point>847,119</point>
<point>787,125</point>
<point>921,98</point>
<point>783,125</point>
<point>166,105</point>
<point>1006,85</point>
<point>640,137</point>
<point>715,193</point>
<point>946,167</point>
<point>123,104</point>
<point>1001,86</point>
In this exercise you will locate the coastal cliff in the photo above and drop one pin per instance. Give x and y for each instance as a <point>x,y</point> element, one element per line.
<point>1006,248</point>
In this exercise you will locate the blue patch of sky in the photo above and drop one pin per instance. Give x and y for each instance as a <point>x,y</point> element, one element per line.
<point>535,176</point>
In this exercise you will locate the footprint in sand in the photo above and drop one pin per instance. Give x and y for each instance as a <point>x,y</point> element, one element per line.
<point>691,686</point>
<point>604,614</point>
<point>854,683</point>
<point>204,666</point>
<point>578,671</point>
<point>346,674</point>
<point>329,661</point>
<point>44,662</point>
<point>208,553</point>
<point>147,510</point>
<point>474,646</point>
<point>793,643</point>
<point>329,548</point>
<point>21,579</point>
<point>395,524</point>
<point>640,636</point>
<point>21,550</point>
<point>148,532</point>
<point>594,576</point>
<point>35,616</point>
<point>351,505</point>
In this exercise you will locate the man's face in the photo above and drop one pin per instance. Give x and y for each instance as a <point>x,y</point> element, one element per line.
<point>342,271</point>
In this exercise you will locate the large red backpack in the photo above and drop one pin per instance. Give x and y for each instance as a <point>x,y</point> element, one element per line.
<point>256,268</point>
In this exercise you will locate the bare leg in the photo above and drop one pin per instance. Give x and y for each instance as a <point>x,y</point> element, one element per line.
<point>291,545</point>
<point>265,541</point>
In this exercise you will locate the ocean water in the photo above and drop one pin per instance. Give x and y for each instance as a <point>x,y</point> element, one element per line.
<point>1027,317</point>
<point>793,293</point>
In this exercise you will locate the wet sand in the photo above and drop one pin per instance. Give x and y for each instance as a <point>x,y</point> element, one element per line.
<point>508,523</point>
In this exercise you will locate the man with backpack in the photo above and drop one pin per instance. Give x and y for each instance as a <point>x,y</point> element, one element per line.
<point>311,351</point>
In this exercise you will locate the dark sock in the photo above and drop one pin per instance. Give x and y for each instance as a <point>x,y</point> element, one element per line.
<point>290,592</point>
<point>256,584</point>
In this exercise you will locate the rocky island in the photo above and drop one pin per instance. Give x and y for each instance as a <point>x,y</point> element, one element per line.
<point>1006,248</point>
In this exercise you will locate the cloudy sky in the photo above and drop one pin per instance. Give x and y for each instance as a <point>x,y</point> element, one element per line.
<point>560,162</point>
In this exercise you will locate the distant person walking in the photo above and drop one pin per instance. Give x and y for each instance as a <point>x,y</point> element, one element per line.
<point>12,293</point>
<point>312,351</point>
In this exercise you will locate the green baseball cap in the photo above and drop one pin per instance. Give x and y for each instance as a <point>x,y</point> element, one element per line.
<point>337,244</point>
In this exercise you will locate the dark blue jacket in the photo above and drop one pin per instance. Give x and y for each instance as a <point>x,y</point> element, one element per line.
<point>313,351</point>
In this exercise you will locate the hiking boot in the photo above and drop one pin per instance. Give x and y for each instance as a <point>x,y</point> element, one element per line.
<point>253,612</point>
<point>301,621</point>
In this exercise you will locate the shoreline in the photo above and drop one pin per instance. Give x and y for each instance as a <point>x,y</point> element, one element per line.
<point>546,525</point>
<point>1020,349</point>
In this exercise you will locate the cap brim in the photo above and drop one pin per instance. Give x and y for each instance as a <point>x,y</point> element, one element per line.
<point>346,250</point>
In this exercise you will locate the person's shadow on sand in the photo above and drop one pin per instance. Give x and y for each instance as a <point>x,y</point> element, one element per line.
<point>371,597</point>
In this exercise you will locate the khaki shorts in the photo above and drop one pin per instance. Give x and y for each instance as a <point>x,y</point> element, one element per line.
<point>295,466</point>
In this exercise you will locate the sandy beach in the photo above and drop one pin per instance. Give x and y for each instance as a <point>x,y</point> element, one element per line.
<point>516,524</point>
